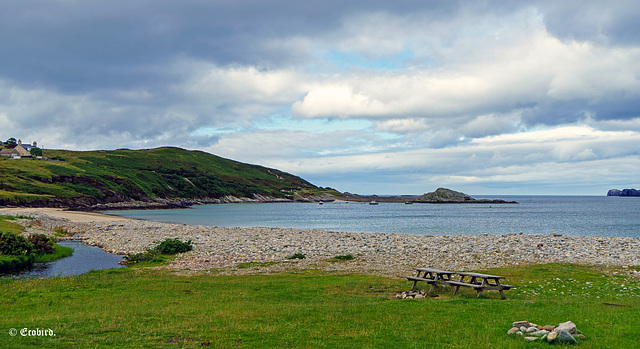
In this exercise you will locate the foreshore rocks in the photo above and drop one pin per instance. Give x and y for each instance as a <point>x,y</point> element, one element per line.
<point>396,255</point>
<point>159,203</point>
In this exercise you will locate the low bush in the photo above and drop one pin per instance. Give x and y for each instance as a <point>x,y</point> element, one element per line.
<point>346,257</point>
<point>155,254</point>
<point>139,257</point>
<point>172,246</point>
<point>14,245</point>
<point>62,231</point>
<point>297,256</point>
<point>41,243</point>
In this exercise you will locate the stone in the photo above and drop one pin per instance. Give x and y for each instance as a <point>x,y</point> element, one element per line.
<point>548,328</point>
<point>531,339</point>
<point>531,329</point>
<point>538,333</point>
<point>565,337</point>
<point>512,330</point>
<point>521,323</point>
<point>568,326</point>
<point>551,337</point>
<point>579,335</point>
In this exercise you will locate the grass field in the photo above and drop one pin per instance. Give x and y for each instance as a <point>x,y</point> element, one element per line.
<point>7,224</point>
<point>145,308</point>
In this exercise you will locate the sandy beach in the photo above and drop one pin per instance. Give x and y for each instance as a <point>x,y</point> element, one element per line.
<point>227,250</point>
<point>71,216</point>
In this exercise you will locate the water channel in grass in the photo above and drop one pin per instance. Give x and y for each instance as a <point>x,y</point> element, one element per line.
<point>84,259</point>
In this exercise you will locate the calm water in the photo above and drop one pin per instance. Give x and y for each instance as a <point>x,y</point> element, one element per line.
<point>570,215</point>
<point>84,258</point>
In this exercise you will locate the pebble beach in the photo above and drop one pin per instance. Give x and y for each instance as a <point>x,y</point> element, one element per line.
<point>228,250</point>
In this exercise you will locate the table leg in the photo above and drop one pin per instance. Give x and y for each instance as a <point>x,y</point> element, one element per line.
<point>500,290</point>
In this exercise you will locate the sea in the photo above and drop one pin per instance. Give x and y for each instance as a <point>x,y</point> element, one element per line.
<point>565,215</point>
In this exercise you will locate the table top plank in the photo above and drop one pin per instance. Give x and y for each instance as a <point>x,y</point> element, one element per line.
<point>484,276</point>
<point>429,270</point>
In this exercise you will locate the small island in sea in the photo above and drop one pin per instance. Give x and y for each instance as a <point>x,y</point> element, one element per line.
<point>623,192</point>
<point>440,196</point>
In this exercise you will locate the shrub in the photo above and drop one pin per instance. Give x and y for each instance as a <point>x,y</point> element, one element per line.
<point>297,256</point>
<point>62,231</point>
<point>346,257</point>
<point>139,257</point>
<point>14,245</point>
<point>41,243</point>
<point>172,246</point>
<point>166,247</point>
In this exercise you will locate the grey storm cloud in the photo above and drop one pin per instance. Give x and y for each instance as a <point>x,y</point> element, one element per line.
<point>75,45</point>
<point>406,81</point>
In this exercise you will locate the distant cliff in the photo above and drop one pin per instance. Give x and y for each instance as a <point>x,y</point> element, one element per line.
<point>623,192</point>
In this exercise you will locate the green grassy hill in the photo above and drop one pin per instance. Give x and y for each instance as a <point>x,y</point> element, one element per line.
<point>91,177</point>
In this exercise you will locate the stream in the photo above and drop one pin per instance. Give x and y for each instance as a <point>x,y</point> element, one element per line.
<point>84,259</point>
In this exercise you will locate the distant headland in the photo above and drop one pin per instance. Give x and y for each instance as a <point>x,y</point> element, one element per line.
<point>623,192</point>
<point>166,177</point>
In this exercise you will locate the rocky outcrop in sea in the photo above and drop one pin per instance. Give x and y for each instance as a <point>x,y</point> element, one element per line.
<point>440,196</point>
<point>623,192</point>
<point>448,196</point>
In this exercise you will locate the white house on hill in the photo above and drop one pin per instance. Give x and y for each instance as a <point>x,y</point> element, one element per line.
<point>19,150</point>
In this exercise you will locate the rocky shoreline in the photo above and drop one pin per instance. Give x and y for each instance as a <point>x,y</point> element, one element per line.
<point>227,250</point>
<point>161,204</point>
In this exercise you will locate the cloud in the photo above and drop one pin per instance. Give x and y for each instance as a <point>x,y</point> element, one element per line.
<point>372,93</point>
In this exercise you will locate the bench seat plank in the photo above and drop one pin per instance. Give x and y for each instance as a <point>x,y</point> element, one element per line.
<point>414,278</point>
<point>458,283</point>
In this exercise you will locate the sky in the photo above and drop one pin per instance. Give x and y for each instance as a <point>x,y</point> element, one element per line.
<point>368,97</point>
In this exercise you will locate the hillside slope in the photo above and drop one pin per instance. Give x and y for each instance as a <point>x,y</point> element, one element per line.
<point>94,177</point>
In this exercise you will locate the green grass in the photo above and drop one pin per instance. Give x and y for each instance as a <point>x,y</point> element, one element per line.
<point>7,224</point>
<point>145,308</point>
<point>60,252</point>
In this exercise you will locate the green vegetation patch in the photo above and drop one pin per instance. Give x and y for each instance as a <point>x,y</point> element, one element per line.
<point>342,258</point>
<point>7,224</point>
<point>161,252</point>
<point>156,308</point>
<point>18,252</point>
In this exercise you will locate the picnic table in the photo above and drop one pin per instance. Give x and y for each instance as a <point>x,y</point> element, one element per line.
<point>479,282</point>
